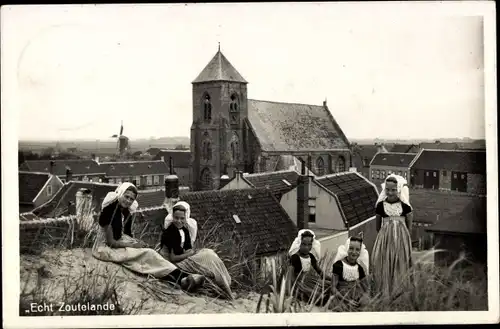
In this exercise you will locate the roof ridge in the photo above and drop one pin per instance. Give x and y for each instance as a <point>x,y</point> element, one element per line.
<point>265,173</point>
<point>34,172</point>
<point>336,174</point>
<point>125,162</point>
<point>402,153</point>
<point>456,150</point>
<point>276,102</point>
<point>91,183</point>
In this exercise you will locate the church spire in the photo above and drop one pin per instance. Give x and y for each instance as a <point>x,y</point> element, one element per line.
<point>219,46</point>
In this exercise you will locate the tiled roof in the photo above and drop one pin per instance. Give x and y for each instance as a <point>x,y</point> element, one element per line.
<point>181,159</point>
<point>78,167</point>
<point>135,168</point>
<point>153,151</point>
<point>263,221</point>
<point>30,185</point>
<point>405,148</point>
<point>357,196</point>
<point>151,199</point>
<point>278,182</point>
<point>219,69</point>
<point>59,205</point>
<point>294,127</point>
<point>393,159</point>
<point>461,161</point>
<point>366,153</point>
<point>471,220</point>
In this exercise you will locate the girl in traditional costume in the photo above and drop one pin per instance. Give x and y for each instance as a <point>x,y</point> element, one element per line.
<point>114,241</point>
<point>304,271</point>
<point>351,266</point>
<point>392,249</point>
<point>177,245</point>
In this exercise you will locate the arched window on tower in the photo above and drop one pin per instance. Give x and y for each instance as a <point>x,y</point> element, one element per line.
<point>234,106</point>
<point>206,178</point>
<point>320,166</point>
<point>235,147</point>
<point>207,108</point>
<point>341,164</point>
<point>206,150</point>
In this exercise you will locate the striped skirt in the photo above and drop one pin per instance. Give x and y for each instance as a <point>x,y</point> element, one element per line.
<point>207,263</point>
<point>311,288</point>
<point>391,257</point>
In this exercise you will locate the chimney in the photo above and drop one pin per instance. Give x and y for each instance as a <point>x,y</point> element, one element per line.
<point>324,103</point>
<point>302,198</point>
<point>84,215</point>
<point>69,175</point>
<point>171,191</point>
<point>51,168</point>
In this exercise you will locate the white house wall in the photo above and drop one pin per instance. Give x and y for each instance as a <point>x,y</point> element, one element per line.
<point>236,183</point>
<point>330,244</point>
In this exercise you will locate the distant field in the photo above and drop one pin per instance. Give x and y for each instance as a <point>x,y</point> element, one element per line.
<point>429,204</point>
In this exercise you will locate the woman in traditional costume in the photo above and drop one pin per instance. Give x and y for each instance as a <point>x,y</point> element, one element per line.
<point>350,286</point>
<point>177,245</point>
<point>392,250</point>
<point>304,272</point>
<point>114,241</point>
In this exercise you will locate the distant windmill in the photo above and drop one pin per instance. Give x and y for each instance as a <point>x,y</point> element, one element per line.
<point>122,144</point>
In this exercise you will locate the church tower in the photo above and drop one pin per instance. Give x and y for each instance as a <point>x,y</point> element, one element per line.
<point>219,113</point>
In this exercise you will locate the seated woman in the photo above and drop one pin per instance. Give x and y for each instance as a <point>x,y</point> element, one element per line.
<point>304,254</point>
<point>114,241</point>
<point>350,285</point>
<point>177,245</point>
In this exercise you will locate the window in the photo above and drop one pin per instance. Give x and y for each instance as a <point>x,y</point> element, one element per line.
<point>383,174</point>
<point>400,173</point>
<point>206,178</point>
<point>234,106</point>
<point>149,180</point>
<point>444,173</point>
<point>462,176</point>
<point>404,174</point>
<point>138,180</point>
<point>207,150</point>
<point>320,166</point>
<point>85,179</point>
<point>455,176</point>
<point>427,174</point>
<point>365,162</point>
<point>111,181</point>
<point>434,174</point>
<point>157,180</point>
<point>207,108</point>
<point>49,190</point>
<point>118,180</point>
<point>341,164</point>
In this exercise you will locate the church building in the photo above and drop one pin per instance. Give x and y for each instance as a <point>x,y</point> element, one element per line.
<point>232,133</point>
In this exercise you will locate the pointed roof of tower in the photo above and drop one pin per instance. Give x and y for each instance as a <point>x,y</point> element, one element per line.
<point>219,69</point>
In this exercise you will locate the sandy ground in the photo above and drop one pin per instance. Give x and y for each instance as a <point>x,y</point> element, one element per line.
<point>59,271</point>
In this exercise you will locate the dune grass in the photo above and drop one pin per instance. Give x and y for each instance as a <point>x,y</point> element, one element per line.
<point>427,287</point>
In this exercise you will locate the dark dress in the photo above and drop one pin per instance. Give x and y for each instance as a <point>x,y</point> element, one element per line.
<point>351,288</point>
<point>119,218</point>
<point>171,239</point>
<point>310,286</point>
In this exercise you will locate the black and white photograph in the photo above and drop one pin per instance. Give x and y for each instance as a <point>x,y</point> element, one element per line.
<point>247,163</point>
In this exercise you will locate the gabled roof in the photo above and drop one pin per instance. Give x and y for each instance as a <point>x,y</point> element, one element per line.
<point>469,161</point>
<point>471,220</point>
<point>393,159</point>
<point>135,168</point>
<point>286,127</point>
<point>181,159</point>
<point>30,184</point>
<point>356,195</point>
<point>219,69</point>
<point>405,148</point>
<point>278,182</point>
<point>263,226</point>
<point>64,201</point>
<point>78,167</point>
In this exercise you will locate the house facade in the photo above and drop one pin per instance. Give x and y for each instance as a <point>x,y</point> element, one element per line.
<point>180,162</point>
<point>450,170</point>
<point>232,133</point>
<point>462,233</point>
<point>384,164</point>
<point>36,188</point>
<point>143,174</point>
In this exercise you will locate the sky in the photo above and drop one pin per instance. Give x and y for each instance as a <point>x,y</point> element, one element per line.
<point>77,71</point>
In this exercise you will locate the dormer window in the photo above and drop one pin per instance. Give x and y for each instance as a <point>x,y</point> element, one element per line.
<point>207,108</point>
